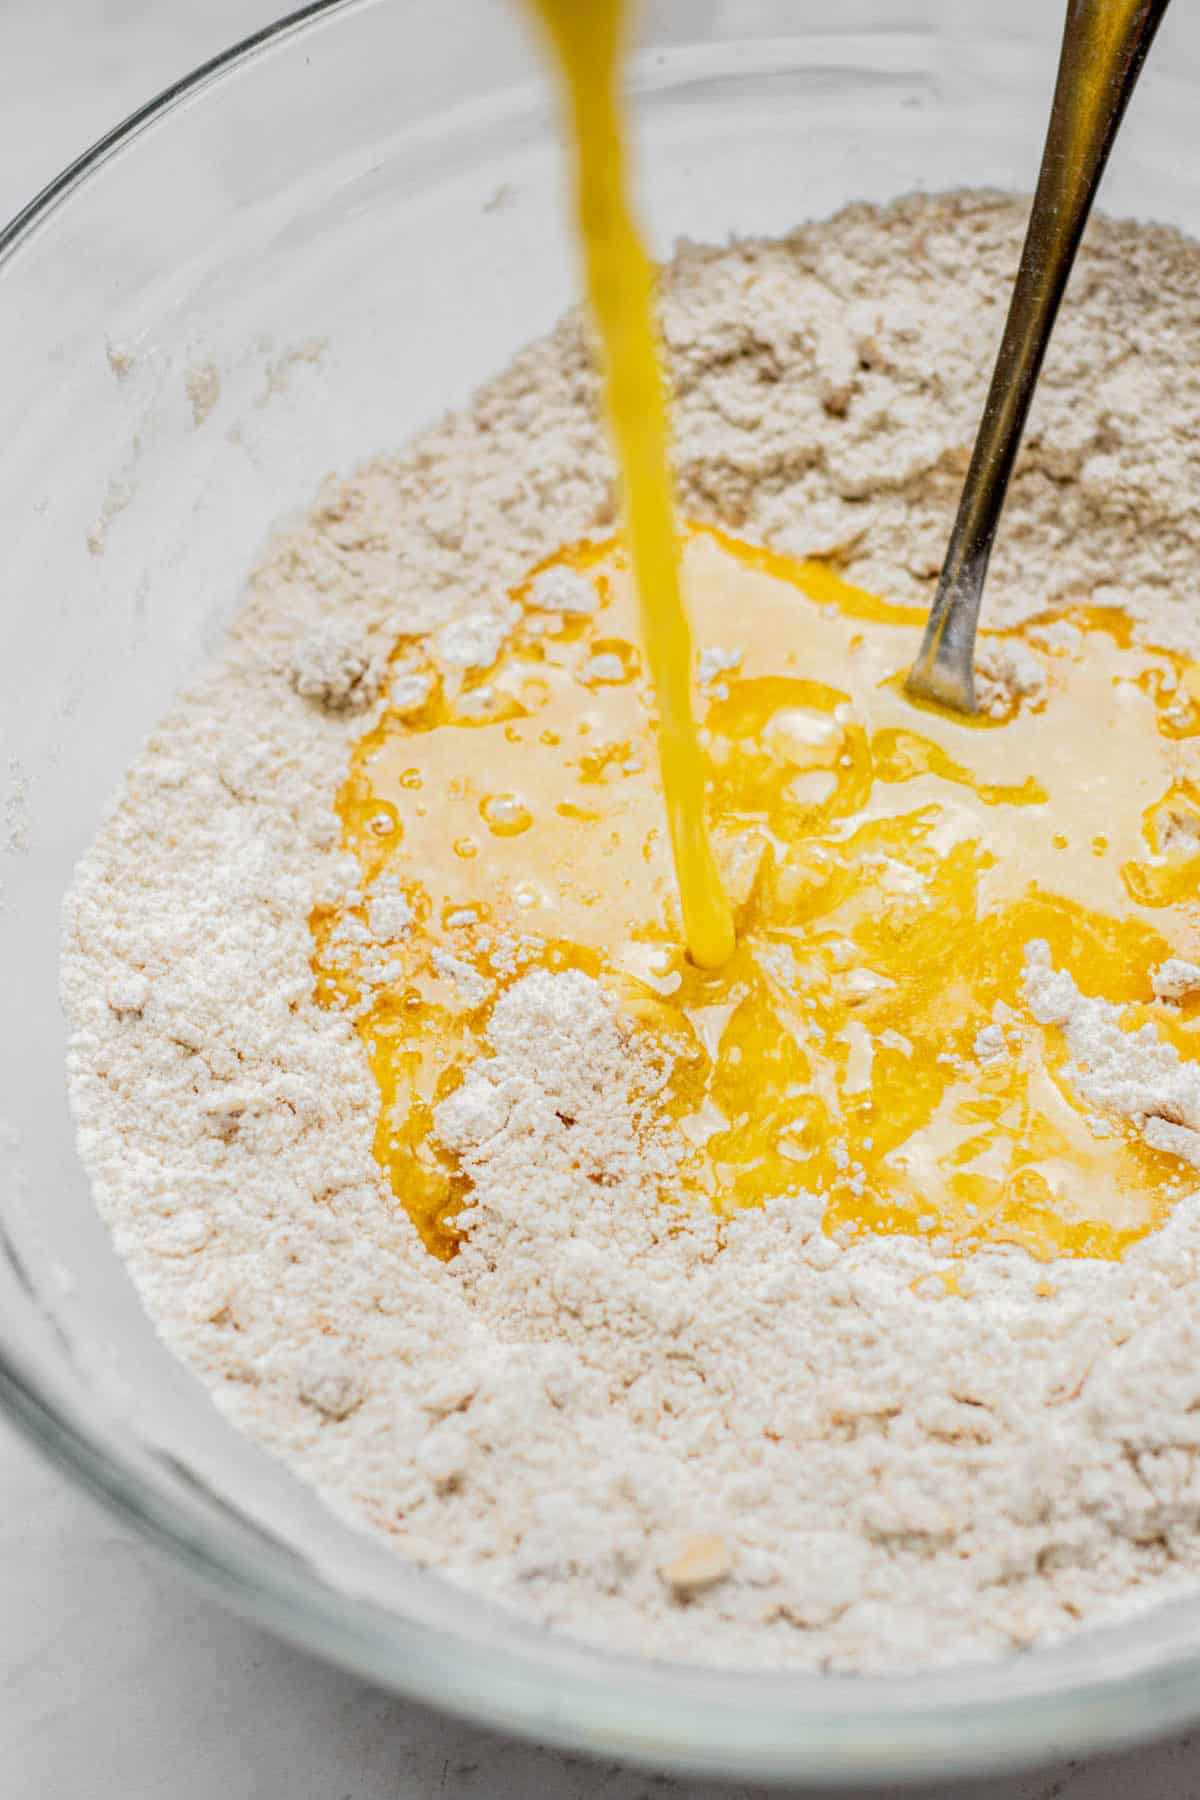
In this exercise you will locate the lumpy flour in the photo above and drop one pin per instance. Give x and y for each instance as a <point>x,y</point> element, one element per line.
<point>741,1443</point>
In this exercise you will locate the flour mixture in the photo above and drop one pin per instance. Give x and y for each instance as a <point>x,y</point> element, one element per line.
<point>765,1315</point>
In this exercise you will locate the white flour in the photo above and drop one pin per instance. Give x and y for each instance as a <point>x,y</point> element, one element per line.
<point>779,1451</point>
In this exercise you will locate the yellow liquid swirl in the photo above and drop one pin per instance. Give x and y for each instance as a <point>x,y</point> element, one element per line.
<point>887,866</point>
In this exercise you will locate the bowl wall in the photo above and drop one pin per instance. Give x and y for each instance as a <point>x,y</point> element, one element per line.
<point>297,259</point>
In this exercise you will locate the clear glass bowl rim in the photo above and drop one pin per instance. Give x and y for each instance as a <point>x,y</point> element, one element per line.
<point>751,1726</point>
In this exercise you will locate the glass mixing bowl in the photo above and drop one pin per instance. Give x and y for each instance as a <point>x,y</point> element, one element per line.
<point>288,262</point>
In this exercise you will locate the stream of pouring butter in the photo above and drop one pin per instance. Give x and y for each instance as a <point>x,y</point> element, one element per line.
<point>866,1038</point>
<point>587,36</point>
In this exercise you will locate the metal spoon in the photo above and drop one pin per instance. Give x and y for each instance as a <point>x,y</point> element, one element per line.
<point>1104,46</point>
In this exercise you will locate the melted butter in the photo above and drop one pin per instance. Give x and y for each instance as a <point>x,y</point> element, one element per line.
<point>886,865</point>
<point>587,39</point>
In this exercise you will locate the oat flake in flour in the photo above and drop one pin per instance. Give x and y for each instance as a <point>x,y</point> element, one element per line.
<point>627,1429</point>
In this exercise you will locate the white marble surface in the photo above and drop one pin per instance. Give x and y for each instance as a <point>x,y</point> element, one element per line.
<point>115,1679</point>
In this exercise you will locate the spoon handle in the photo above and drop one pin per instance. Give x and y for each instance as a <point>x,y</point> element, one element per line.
<point>1103,49</point>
